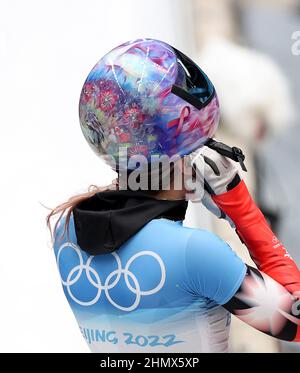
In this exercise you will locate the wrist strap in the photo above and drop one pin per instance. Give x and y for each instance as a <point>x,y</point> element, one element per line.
<point>234,153</point>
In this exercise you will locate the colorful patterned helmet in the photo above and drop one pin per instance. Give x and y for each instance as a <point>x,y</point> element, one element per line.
<point>147,98</point>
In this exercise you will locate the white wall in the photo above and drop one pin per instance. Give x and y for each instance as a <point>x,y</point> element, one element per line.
<point>47,49</point>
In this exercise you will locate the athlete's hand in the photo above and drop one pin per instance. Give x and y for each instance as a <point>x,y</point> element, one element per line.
<point>230,194</point>
<point>219,174</point>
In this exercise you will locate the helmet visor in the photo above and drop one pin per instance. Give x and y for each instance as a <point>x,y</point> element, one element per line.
<point>192,84</point>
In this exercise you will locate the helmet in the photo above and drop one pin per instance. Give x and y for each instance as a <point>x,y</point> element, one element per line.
<point>150,99</point>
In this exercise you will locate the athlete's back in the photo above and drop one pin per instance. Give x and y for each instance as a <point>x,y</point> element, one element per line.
<point>160,291</point>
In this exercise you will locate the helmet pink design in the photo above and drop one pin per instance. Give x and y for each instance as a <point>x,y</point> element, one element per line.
<point>150,98</point>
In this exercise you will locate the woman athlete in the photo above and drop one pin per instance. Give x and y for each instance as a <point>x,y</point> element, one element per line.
<point>137,279</point>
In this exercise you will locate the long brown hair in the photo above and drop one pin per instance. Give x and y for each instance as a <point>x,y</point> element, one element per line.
<point>74,201</point>
<point>70,205</point>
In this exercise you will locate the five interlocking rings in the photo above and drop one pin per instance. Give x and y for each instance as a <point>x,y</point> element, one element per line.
<point>94,278</point>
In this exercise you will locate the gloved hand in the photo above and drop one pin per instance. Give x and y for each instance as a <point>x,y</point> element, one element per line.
<point>227,197</point>
<point>218,172</point>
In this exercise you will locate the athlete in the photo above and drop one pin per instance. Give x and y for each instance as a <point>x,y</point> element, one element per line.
<point>136,278</point>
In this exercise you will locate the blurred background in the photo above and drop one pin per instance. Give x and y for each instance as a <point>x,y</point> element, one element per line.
<point>250,50</point>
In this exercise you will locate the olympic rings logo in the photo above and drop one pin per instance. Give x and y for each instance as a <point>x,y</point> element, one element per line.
<point>112,279</point>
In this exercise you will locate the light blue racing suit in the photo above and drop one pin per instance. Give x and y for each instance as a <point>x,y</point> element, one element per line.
<point>161,291</point>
